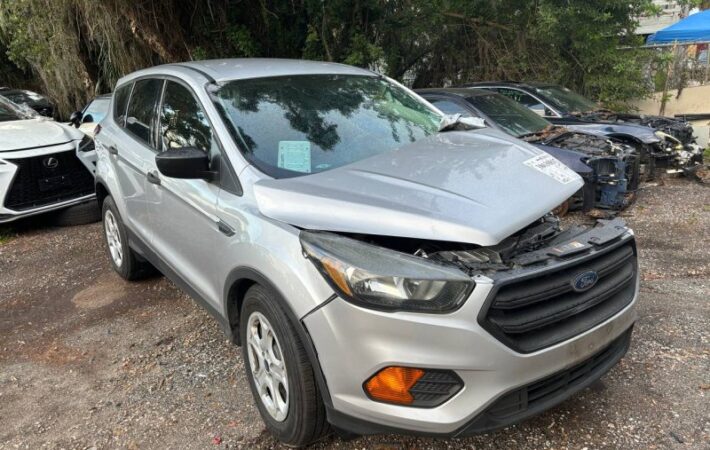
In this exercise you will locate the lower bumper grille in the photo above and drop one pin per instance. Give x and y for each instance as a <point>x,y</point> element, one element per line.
<point>48,179</point>
<point>536,397</point>
<point>528,313</point>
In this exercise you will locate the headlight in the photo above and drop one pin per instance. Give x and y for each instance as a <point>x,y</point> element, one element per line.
<point>86,144</point>
<point>379,278</point>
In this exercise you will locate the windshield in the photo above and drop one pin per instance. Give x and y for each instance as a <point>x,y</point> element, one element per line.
<point>508,114</point>
<point>10,111</point>
<point>25,97</point>
<point>97,109</point>
<point>296,125</point>
<point>567,101</point>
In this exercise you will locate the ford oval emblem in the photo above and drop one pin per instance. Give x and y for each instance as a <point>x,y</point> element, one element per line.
<point>585,281</point>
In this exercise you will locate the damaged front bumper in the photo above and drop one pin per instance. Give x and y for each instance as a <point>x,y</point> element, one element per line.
<point>509,369</point>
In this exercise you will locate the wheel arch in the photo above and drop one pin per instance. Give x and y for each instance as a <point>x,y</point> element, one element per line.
<point>238,283</point>
<point>101,193</point>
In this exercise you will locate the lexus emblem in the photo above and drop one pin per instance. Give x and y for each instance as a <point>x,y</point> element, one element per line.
<point>50,163</point>
<point>584,281</point>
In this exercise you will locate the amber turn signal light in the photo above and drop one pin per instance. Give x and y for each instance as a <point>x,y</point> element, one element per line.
<point>392,384</point>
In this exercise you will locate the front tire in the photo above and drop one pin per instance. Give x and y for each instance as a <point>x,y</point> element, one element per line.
<point>280,375</point>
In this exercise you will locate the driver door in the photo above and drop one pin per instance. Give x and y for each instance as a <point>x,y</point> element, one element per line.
<point>182,211</point>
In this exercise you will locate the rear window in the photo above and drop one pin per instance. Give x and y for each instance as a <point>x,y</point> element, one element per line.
<point>120,101</point>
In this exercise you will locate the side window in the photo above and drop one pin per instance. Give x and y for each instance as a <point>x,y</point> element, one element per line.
<point>120,101</point>
<point>523,98</point>
<point>183,122</point>
<point>140,118</point>
<point>449,107</point>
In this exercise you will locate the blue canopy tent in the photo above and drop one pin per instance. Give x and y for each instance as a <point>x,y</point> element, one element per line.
<point>694,29</point>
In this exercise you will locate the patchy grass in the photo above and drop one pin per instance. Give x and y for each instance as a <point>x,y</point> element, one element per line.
<point>706,154</point>
<point>6,234</point>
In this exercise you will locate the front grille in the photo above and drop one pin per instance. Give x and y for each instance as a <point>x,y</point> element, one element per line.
<point>38,183</point>
<point>531,312</point>
<point>543,394</point>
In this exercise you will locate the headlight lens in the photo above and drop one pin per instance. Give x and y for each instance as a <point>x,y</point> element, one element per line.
<point>379,278</point>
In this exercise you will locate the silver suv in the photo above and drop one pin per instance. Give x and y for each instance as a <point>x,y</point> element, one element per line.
<point>384,268</point>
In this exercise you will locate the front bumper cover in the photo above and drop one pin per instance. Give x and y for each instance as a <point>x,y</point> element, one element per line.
<point>352,343</point>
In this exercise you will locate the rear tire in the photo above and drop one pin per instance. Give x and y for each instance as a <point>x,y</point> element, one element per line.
<point>124,260</point>
<point>305,420</point>
<point>80,214</point>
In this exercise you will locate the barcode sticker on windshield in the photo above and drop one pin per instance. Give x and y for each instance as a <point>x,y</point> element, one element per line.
<point>551,167</point>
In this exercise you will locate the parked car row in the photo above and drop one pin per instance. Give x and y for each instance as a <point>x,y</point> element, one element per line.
<point>387,260</point>
<point>671,143</point>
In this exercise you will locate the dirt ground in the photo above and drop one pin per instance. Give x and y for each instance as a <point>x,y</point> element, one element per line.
<point>90,361</point>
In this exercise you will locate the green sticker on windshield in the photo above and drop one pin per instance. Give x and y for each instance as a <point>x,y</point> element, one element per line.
<point>295,156</point>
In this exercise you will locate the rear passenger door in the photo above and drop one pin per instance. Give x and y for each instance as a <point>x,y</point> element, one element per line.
<point>182,211</point>
<point>131,149</point>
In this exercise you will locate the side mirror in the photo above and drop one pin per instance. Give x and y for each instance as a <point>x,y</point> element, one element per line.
<point>87,119</point>
<point>75,118</point>
<point>187,162</point>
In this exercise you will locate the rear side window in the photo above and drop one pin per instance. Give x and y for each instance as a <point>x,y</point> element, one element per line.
<point>521,97</point>
<point>120,101</point>
<point>140,118</point>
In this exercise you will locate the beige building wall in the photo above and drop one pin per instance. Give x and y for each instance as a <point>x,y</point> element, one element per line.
<point>693,100</point>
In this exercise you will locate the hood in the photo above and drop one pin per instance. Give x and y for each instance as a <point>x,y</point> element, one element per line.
<point>476,187</point>
<point>642,133</point>
<point>570,158</point>
<point>32,133</point>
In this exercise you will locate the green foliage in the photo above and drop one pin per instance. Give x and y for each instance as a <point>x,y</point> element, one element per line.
<point>6,234</point>
<point>77,48</point>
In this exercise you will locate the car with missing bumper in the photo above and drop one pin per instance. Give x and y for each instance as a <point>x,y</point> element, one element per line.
<point>663,142</point>
<point>44,165</point>
<point>610,168</point>
<point>382,272</point>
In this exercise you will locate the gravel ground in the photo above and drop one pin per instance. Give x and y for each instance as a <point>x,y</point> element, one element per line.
<point>90,361</point>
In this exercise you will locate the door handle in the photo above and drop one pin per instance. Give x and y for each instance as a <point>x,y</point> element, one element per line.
<point>112,150</point>
<point>153,177</point>
<point>224,228</point>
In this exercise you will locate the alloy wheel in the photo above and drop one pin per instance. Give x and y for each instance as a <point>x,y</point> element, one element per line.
<point>113,238</point>
<point>268,368</point>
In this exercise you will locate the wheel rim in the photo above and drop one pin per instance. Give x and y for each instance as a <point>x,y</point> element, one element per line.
<point>268,369</point>
<point>113,238</point>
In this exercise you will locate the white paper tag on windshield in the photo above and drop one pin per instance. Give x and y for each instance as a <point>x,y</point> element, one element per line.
<point>551,167</point>
<point>295,156</point>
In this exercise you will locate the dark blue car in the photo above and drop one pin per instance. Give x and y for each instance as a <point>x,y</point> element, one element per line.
<point>663,142</point>
<point>610,168</point>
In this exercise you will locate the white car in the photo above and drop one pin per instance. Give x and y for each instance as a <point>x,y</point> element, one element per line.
<point>44,165</point>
